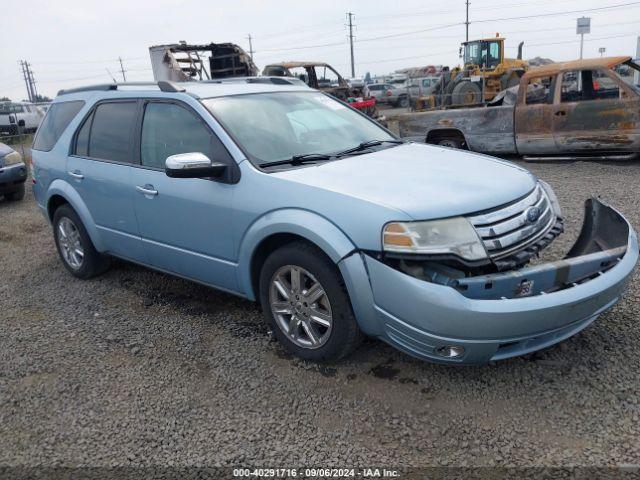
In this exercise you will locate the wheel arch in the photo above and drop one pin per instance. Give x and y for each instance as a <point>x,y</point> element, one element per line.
<point>280,227</point>
<point>61,193</point>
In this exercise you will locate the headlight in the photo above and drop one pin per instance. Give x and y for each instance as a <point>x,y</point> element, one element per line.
<point>449,236</point>
<point>552,198</point>
<point>12,158</point>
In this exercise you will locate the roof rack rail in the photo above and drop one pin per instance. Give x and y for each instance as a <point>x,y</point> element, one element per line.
<point>166,86</point>
<point>104,87</point>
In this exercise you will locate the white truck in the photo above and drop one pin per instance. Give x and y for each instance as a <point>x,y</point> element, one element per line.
<point>19,117</point>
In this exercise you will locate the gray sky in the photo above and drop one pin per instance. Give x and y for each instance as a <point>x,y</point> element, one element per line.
<point>73,42</point>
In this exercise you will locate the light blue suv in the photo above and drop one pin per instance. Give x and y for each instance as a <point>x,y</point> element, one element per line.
<point>284,195</point>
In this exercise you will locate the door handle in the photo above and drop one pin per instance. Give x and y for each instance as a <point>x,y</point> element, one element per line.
<point>147,190</point>
<point>77,175</point>
<point>560,113</point>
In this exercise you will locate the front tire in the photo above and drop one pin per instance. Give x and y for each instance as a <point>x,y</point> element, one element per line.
<point>466,93</point>
<point>305,303</point>
<point>74,245</point>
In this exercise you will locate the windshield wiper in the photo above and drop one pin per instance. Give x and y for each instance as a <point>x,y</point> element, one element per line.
<point>366,145</point>
<point>299,159</point>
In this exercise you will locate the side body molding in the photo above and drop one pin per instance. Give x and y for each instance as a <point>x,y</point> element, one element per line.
<point>62,188</point>
<point>311,226</point>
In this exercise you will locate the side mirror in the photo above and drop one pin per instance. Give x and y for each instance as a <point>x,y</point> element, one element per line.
<point>192,165</point>
<point>21,123</point>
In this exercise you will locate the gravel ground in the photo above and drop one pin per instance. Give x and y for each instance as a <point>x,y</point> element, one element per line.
<point>139,368</point>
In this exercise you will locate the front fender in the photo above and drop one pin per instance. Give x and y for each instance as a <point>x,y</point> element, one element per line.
<point>66,191</point>
<point>311,226</point>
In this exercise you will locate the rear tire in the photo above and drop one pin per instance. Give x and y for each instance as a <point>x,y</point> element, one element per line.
<point>15,195</point>
<point>74,245</point>
<point>312,316</point>
<point>403,102</point>
<point>450,142</point>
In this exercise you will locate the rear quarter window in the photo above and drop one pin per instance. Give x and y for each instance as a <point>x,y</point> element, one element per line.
<point>55,123</point>
<point>110,134</point>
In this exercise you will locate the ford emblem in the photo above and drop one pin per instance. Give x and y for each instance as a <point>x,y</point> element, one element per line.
<point>532,214</point>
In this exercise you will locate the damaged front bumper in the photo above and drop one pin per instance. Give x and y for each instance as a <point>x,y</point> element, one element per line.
<point>501,315</point>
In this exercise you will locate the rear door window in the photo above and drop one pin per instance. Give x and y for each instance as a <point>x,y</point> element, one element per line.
<point>55,123</point>
<point>585,85</point>
<point>111,132</point>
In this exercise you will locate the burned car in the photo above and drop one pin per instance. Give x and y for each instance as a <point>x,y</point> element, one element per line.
<point>183,62</point>
<point>322,76</point>
<point>572,109</point>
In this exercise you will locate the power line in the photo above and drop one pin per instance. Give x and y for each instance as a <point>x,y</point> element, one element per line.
<point>413,32</point>
<point>302,47</point>
<point>593,39</point>
<point>81,62</point>
<point>450,25</point>
<point>450,11</point>
<point>540,15</point>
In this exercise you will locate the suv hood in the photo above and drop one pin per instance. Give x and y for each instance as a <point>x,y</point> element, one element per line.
<point>423,181</point>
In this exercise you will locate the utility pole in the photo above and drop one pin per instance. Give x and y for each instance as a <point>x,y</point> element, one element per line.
<point>122,70</point>
<point>28,80</point>
<point>467,22</point>
<point>250,46</point>
<point>32,81</point>
<point>353,68</point>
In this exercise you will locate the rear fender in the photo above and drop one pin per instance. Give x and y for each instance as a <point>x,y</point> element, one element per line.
<point>62,188</point>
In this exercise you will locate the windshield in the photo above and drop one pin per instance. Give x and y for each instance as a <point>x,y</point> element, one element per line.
<point>6,108</point>
<point>277,126</point>
<point>482,53</point>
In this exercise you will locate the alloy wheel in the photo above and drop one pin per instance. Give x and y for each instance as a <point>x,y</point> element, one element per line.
<point>300,306</point>
<point>70,243</point>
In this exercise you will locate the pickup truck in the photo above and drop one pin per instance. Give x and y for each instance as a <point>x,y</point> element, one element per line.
<point>577,108</point>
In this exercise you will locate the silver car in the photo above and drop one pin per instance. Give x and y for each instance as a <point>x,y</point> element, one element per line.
<point>388,94</point>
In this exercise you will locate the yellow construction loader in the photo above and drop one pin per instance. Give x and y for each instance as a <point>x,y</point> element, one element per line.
<point>485,73</point>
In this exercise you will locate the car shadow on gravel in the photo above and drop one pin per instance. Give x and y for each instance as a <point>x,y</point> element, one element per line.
<point>374,359</point>
<point>187,298</point>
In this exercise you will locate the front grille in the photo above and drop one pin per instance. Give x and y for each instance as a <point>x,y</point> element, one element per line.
<point>508,229</point>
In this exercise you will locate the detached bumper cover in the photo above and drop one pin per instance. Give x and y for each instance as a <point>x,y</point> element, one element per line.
<point>11,177</point>
<point>522,311</point>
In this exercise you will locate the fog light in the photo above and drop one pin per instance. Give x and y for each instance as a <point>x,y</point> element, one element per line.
<point>450,351</point>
